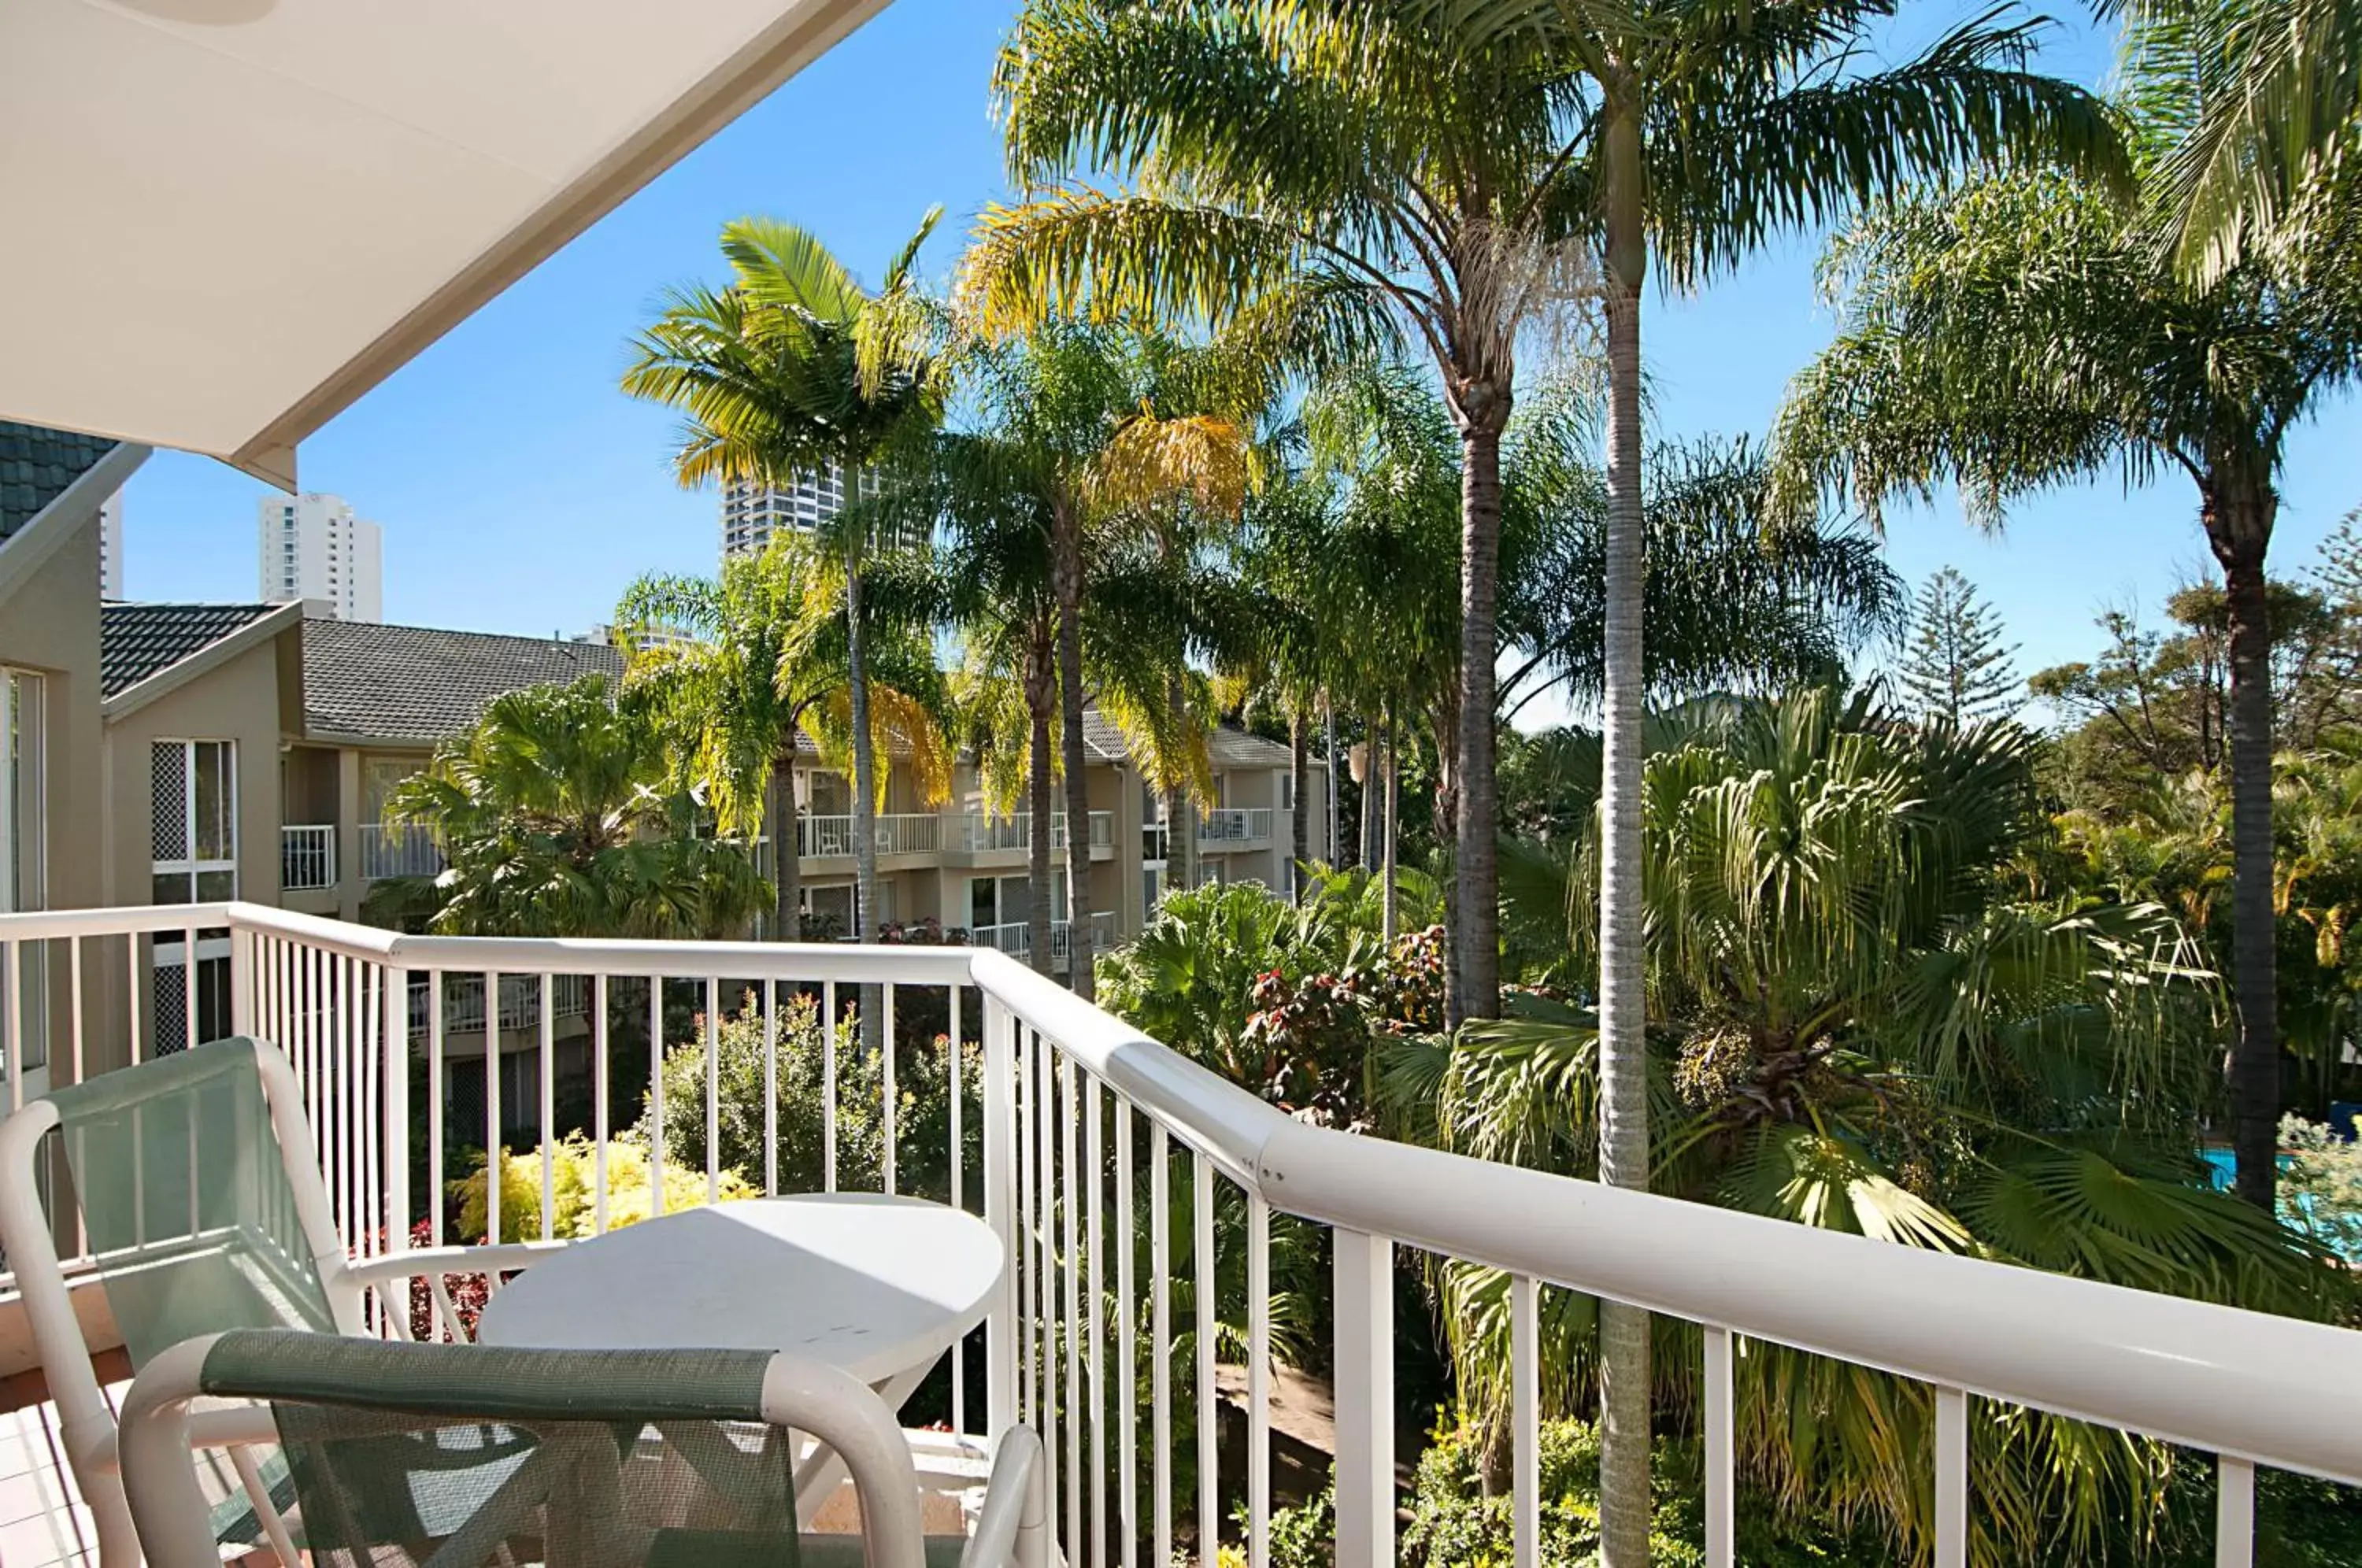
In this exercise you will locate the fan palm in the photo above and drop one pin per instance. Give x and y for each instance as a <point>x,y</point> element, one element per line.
<point>791,370</point>
<point>557,818</point>
<point>2024,332</point>
<point>1857,1027</point>
<point>742,667</point>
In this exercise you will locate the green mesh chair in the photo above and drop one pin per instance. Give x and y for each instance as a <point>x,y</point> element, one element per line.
<point>464,1456</point>
<point>192,1183</point>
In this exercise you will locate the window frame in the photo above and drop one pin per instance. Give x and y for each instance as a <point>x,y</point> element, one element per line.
<point>190,865</point>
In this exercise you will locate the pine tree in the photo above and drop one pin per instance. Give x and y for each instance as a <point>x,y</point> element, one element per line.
<point>1953,665</point>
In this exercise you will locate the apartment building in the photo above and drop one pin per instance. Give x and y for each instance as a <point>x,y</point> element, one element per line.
<point>312,546</point>
<point>252,748</point>
<point>52,487</point>
<point>753,511</point>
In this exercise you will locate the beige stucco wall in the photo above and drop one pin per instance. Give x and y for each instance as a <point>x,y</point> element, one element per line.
<point>50,624</point>
<point>237,700</point>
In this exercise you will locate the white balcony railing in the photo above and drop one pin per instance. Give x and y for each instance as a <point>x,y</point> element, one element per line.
<point>307,858</point>
<point>1016,938</point>
<point>979,832</point>
<point>898,833</point>
<point>399,849</point>
<point>1084,1128</point>
<point>1233,826</point>
<point>521,999</point>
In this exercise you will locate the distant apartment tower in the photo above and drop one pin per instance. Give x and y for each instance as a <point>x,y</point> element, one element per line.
<point>110,546</point>
<point>314,547</point>
<point>751,512</point>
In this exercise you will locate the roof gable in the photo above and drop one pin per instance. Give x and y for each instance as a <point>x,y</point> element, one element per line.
<point>137,641</point>
<point>38,465</point>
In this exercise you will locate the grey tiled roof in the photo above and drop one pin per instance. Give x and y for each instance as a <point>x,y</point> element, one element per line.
<point>1237,748</point>
<point>417,683</point>
<point>1226,747</point>
<point>135,641</point>
<point>1101,737</point>
<point>36,466</point>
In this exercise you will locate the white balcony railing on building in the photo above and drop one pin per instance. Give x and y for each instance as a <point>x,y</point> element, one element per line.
<point>980,833</point>
<point>399,849</point>
<point>307,858</point>
<point>1229,825</point>
<point>1016,938</point>
<point>1084,1128</point>
<point>521,997</point>
<point>898,833</point>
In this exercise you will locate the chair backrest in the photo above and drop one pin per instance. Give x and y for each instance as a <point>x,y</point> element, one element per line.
<point>403,1453</point>
<point>191,1180</point>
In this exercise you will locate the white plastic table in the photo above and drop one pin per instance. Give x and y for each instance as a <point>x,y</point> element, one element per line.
<point>879,1286</point>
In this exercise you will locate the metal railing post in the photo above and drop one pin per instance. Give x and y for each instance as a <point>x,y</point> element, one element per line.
<point>241,979</point>
<point>396,1002</point>
<point>1000,1193</point>
<point>1365,1400</point>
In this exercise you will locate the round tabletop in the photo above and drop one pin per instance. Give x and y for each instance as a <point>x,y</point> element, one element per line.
<point>879,1286</point>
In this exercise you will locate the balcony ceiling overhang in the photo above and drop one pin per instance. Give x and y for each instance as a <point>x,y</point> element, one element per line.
<point>223,221</point>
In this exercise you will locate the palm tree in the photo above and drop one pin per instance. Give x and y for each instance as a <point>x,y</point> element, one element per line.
<point>742,667</point>
<point>794,370</point>
<point>1738,598</point>
<point>1452,163</point>
<point>2024,332</point>
<point>1283,169</point>
<point>557,818</point>
<point>2267,160</point>
<point>1080,432</point>
<point>1857,1024</point>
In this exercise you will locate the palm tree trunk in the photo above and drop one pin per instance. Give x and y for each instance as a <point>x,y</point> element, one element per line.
<point>2239,516</point>
<point>1474,990</point>
<point>1366,855</point>
<point>865,785</point>
<point>1180,821</point>
<point>1067,583</point>
<point>1623,1064</point>
<point>1329,774</point>
<point>1299,775</point>
<point>1391,920</point>
<point>1041,701</point>
<point>788,860</point>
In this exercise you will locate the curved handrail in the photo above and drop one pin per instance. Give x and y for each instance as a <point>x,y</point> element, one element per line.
<point>2270,1390</point>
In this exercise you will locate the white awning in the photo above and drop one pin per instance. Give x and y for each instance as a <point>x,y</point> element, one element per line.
<point>222,221</point>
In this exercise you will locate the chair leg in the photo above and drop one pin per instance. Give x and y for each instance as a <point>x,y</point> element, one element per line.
<point>110,1513</point>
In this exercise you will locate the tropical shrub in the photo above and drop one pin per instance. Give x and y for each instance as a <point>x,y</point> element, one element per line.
<point>573,1169</point>
<point>1284,999</point>
<point>557,817</point>
<point>1457,1522</point>
<point>1858,1023</point>
<point>799,1073</point>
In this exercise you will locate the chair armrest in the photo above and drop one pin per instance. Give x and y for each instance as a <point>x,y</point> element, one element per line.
<point>1013,1527</point>
<point>416,1263</point>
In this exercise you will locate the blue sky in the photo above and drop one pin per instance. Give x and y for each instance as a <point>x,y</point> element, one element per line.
<point>519,491</point>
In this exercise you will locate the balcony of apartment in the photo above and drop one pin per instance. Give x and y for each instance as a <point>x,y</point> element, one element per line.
<point>1016,938</point>
<point>398,849</point>
<point>984,838</point>
<point>307,857</point>
<point>1075,1140</point>
<point>1219,831</point>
